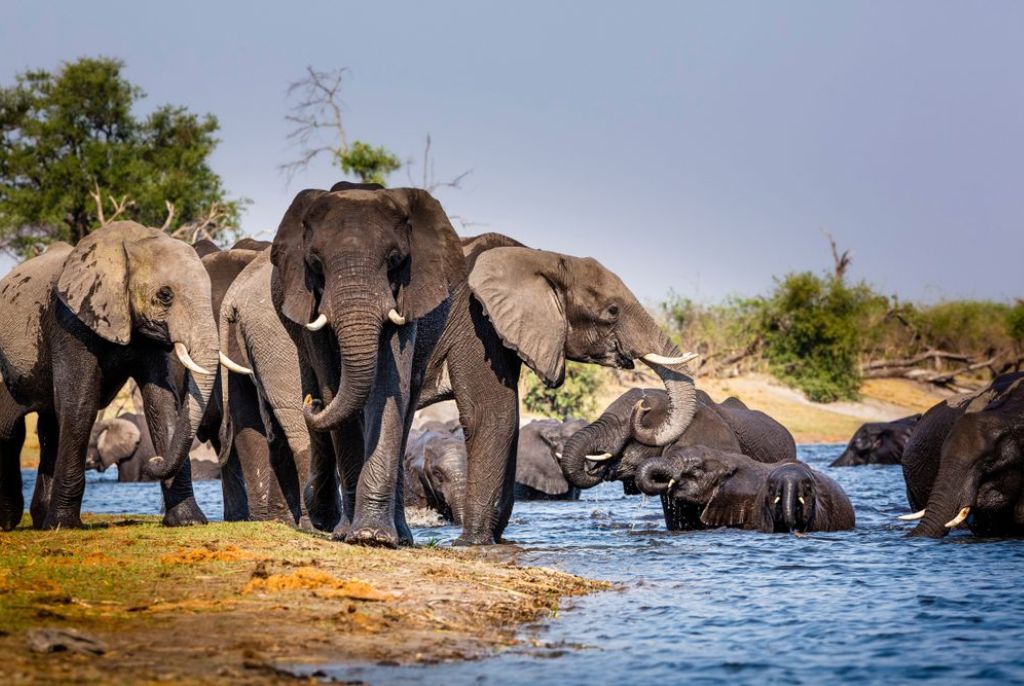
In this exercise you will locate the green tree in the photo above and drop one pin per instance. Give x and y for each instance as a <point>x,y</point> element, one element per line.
<point>370,164</point>
<point>811,328</point>
<point>69,136</point>
<point>574,398</point>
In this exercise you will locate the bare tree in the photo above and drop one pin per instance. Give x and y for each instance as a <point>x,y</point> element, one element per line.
<point>841,261</point>
<point>316,114</point>
<point>201,227</point>
<point>119,206</point>
<point>429,181</point>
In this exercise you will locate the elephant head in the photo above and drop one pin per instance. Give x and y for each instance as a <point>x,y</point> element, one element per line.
<point>436,461</point>
<point>878,443</point>
<point>981,467</point>
<point>790,500</point>
<point>540,448</point>
<point>111,441</point>
<point>706,487</point>
<point>550,308</point>
<point>126,282</point>
<point>608,449</point>
<point>354,260</point>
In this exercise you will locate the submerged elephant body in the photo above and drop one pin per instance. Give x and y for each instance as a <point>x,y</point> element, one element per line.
<point>75,325</point>
<point>878,443</point>
<point>965,463</point>
<point>707,488</point>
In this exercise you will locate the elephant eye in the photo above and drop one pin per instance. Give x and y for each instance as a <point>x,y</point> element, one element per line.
<point>165,296</point>
<point>612,312</point>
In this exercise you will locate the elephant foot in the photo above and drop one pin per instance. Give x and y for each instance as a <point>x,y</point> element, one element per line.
<point>305,524</point>
<point>474,539</point>
<point>185,513</point>
<point>9,519</point>
<point>63,520</point>
<point>373,538</point>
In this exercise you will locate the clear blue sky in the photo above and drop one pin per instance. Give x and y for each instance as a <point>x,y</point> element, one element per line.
<point>696,146</point>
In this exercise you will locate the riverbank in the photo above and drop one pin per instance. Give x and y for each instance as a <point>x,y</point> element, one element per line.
<point>238,603</point>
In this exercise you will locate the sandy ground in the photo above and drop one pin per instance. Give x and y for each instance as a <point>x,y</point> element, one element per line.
<point>236,603</point>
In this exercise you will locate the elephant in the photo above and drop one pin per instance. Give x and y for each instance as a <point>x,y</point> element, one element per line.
<point>125,441</point>
<point>435,472</point>
<point>878,443</point>
<point>922,454</point>
<point>709,488</point>
<point>264,431</point>
<point>607,449</point>
<point>538,468</point>
<point>978,463</point>
<point>75,324</point>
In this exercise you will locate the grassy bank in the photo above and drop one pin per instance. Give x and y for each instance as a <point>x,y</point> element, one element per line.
<point>229,603</point>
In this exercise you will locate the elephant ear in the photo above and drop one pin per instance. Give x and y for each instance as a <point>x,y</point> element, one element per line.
<point>288,255</point>
<point>542,473</point>
<point>94,282</point>
<point>516,289</point>
<point>734,503</point>
<point>118,441</point>
<point>436,263</point>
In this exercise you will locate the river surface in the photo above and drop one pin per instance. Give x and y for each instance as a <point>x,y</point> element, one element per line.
<point>865,606</point>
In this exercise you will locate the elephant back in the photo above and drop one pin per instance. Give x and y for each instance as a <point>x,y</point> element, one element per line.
<point>26,294</point>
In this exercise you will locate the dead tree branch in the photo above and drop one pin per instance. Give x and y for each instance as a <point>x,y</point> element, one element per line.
<point>318,112</point>
<point>429,181</point>
<point>841,261</point>
<point>119,206</point>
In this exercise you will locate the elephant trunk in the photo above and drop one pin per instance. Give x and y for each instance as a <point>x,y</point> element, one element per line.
<point>358,339</point>
<point>202,352</point>
<point>949,503</point>
<point>594,439</point>
<point>682,399</point>
<point>655,477</point>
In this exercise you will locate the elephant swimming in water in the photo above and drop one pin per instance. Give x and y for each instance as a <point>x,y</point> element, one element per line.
<point>878,443</point>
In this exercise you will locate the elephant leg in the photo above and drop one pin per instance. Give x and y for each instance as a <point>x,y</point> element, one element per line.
<point>320,491</point>
<point>48,432</point>
<point>485,375</point>
<point>12,502</point>
<point>384,419</point>
<point>232,484</point>
<point>250,441</point>
<point>75,416</point>
<point>345,466</point>
<point>161,409</point>
<point>285,499</point>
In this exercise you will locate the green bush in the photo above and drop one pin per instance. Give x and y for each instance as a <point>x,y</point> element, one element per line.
<point>1015,322</point>
<point>811,328</point>
<point>574,398</point>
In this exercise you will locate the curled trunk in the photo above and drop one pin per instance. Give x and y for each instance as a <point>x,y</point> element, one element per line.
<point>682,396</point>
<point>655,475</point>
<point>358,337</point>
<point>593,439</point>
<point>197,396</point>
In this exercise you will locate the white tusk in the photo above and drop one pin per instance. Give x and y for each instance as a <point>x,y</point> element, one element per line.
<point>960,516</point>
<point>234,366</point>
<point>913,517</point>
<point>558,455</point>
<point>182,352</point>
<point>600,458</point>
<point>317,323</point>
<point>671,483</point>
<point>396,319</point>
<point>654,358</point>
<point>801,499</point>
<point>777,499</point>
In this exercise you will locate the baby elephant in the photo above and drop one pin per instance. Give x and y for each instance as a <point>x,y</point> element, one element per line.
<point>125,441</point>
<point>878,443</point>
<point>705,488</point>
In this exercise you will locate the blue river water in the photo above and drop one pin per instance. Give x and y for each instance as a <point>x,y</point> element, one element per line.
<point>865,606</point>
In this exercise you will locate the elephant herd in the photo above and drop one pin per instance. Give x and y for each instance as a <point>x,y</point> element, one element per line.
<point>302,361</point>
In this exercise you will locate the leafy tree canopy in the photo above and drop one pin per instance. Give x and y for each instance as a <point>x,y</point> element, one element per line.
<point>68,136</point>
<point>370,164</point>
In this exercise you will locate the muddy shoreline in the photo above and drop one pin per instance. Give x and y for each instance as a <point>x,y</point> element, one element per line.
<point>245,602</point>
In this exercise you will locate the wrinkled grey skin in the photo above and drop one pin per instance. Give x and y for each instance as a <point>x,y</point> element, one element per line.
<point>714,425</point>
<point>980,465</point>
<point>878,443</point>
<point>75,325</point>
<point>435,472</point>
<point>538,468</point>
<point>708,488</point>
<point>223,267</point>
<point>264,432</point>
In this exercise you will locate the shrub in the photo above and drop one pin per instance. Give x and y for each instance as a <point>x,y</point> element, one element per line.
<point>574,398</point>
<point>811,328</point>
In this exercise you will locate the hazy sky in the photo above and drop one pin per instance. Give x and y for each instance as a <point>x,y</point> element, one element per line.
<point>700,146</point>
